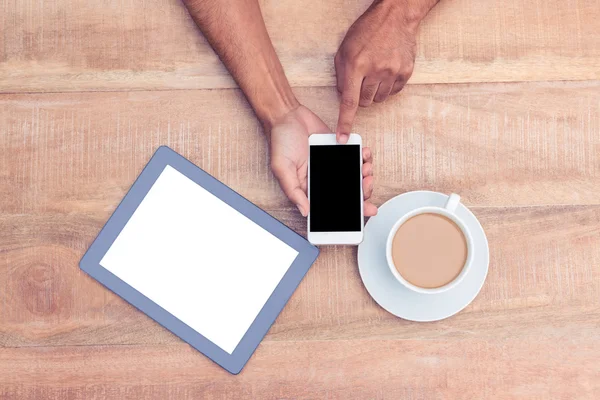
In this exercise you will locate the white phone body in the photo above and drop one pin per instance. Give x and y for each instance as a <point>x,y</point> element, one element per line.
<point>336,238</point>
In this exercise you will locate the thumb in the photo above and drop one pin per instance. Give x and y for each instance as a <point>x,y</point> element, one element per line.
<point>287,175</point>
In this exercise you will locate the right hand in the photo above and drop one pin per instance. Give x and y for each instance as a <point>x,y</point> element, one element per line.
<point>377,56</point>
<point>289,157</point>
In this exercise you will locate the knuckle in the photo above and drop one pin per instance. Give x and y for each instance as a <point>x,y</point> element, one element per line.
<point>345,126</point>
<point>407,69</point>
<point>337,59</point>
<point>382,67</point>
<point>406,72</point>
<point>367,93</point>
<point>340,84</point>
<point>359,62</point>
<point>390,71</point>
<point>349,102</point>
<point>379,65</point>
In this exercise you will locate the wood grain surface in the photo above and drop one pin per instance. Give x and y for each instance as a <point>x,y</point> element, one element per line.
<point>523,156</point>
<point>498,144</point>
<point>375,368</point>
<point>504,109</point>
<point>79,45</point>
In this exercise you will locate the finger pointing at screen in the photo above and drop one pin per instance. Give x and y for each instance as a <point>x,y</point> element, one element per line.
<point>350,90</point>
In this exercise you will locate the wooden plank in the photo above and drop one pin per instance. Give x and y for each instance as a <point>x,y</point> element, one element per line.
<point>500,144</point>
<point>78,45</point>
<point>516,152</point>
<point>544,281</point>
<point>534,368</point>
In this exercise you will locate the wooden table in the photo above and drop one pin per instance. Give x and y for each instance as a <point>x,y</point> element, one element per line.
<point>503,108</point>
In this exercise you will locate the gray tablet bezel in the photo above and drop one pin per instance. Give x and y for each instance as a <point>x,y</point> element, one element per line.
<point>307,254</point>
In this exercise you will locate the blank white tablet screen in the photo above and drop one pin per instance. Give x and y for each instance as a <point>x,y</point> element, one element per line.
<point>199,259</point>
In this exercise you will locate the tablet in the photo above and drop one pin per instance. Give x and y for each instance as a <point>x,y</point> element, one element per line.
<point>199,259</point>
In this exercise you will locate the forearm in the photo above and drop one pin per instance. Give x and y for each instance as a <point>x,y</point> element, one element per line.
<point>236,31</point>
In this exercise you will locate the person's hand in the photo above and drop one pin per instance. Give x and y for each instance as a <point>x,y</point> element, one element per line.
<point>377,56</point>
<point>289,157</point>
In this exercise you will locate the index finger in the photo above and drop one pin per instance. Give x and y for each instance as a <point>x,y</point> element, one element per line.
<point>348,106</point>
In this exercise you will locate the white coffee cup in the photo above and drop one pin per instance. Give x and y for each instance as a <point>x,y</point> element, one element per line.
<point>449,212</point>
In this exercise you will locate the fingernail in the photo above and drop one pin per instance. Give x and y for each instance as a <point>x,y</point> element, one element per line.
<point>343,138</point>
<point>301,210</point>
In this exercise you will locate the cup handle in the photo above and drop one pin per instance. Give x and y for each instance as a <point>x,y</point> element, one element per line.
<point>453,202</point>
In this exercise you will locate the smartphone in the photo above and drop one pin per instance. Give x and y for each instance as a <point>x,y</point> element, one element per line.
<point>335,190</point>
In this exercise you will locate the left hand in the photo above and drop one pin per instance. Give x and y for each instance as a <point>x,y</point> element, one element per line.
<point>376,57</point>
<point>289,157</point>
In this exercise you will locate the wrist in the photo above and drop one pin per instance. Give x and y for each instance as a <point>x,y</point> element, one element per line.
<point>269,91</point>
<point>411,12</point>
<point>275,108</point>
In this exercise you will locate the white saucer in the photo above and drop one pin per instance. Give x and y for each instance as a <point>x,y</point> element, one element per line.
<point>391,294</point>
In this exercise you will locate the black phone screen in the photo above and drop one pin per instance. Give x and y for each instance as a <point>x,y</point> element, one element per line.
<point>335,180</point>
